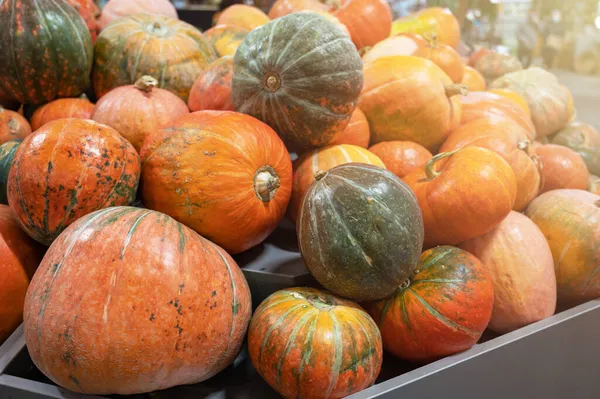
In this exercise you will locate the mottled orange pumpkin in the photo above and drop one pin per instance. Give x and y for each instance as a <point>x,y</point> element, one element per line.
<point>402,44</point>
<point>115,9</point>
<point>356,133</point>
<point>429,21</point>
<point>594,184</point>
<point>401,157</point>
<point>473,80</point>
<point>368,21</point>
<point>514,96</point>
<point>281,8</point>
<point>80,108</point>
<point>12,126</point>
<point>562,168</point>
<point>243,16</point>
<point>226,38</point>
<point>443,56</point>
<point>212,89</point>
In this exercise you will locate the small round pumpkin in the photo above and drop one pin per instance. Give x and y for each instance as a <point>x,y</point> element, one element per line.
<point>212,89</point>
<point>360,231</point>
<point>12,126</point>
<point>7,155</point>
<point>401,157</point>
<point>307,343</point>
<point>356,133</point>
<point>583,139</point>
<point>473,80</point>
<point>243,16</point>
<point>594,184</point>
<point>469,193</point>
<point>281,8</point>
<point>115,9</point>
<point>402,44</point>
<point>443,56</point>
<point>569,221</point>
<point>67,169</point>
<point>441,309</point>
<point>493,65</point>
<point>562,168</point>
<point>514,96</point>
<point>368,21</point>
<point>431,21</point>
<point>80,108</point>
<point>155,297</point>
<point>226,38</point>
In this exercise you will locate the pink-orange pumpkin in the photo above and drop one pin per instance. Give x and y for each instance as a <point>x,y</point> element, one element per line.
<point>212,89</point>
<point>562,168</point>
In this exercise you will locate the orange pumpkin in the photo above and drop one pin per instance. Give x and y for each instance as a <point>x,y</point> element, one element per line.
<point>323,159</point>
<point>473,80</point>
<point>562,168</point>
<point>401,157</point>
<point>285,7</point>
<point>514,96</point>
<point>464,197</point>
<point>571,112</point>
<point>433,20</point>
<point>476,55</point>
<point>368,21</point>
<point>493,65</point>
<point>80,108</point>
<point>226,38</point>
<point>12,126</point>
<point>356,133</point>
<point>402,44</point>
<point>594,184</point>
<point>509,140</point>
<point>243,16</point>
<point>409,99</point>
<point>332,18</point>
<point>224,174</point>
<point>115,9</point>
<point>443,56</point>
<point>212,89</point>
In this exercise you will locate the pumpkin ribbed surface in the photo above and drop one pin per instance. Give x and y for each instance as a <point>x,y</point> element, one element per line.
<point>212,89</point>
<point>7,155</point>
<point>226,38</point>
<point>89,11</point>
<point>514,96</point>
<point>80,108</point>
<point>243,16</point>
<point>401,157</point>
<point>562,168</point>
<point>473,80</point>
<point>584,139</point>
<point>356,133</point>
<point>115,9</point>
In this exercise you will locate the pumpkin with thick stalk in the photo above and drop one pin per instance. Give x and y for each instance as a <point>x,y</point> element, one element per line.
<point>401,157</point>
<point>584,139</point>
<point>409,99</point>
<point>594,184</point>
<point>322,160</point>
<point>171,51</point>
<point>301,75</point>
<point>67,169</point>
<point>441,309</point>
<point>515,97</point>
<point>281,8</point>
<point>368,21</point>
<point>115,9</point>
<point>519,261</point>
<point>473,80</point>
<point>562,168</point>
<point>431,21</point>
<point>212,89</point>
<point>360,231</point>
<point>157,296</point>
<point>402,44</point>
<point>7,155</point>
<point>307,343</point>
<point>45,51</point>
<point>13,126</point>
<point>494,65</point>
<point>80,108</point>
<point>569,221</point>
<point>243,16</point>
<point>89,11</point>
<point>226,38</point>
<point>463,194</point>
<point>356,133</point>
<point>224,174</point>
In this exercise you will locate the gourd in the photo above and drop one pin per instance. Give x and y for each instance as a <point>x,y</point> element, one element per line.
<point>401,157</point>
<point>13,126</point>
<point>584,139</point>
<point>562,168</point>
<point>80,108</point>
<point>212,89</point>
<point>115,9</point>
<point>357,131</point>
<point>7,155</point>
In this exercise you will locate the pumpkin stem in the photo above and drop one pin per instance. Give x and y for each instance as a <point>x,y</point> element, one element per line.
<point>266,183</point>
<point>333,4</point>
<point>456,89</point>
<point>405,284</point>
<point>364,50</point>
<point>272,82</point>
<point>320,302</point>
<point>429,166</point>
<point>432,40</point>
<point>84,97</point>
<point>319,175</point>
<point>146,83</point>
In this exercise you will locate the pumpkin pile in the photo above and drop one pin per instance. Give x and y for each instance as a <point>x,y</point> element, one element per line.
<point>425,207</point>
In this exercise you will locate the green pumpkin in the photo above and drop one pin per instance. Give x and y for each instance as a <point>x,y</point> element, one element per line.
<point>301,75</point>
<point>583,139</point>
<point>360,231</point>
<point>7,154</point>
<point>45,51</point>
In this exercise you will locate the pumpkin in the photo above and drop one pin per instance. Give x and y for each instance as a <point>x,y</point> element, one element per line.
<point>368,21</point>
<point>519,261</point>
<point>401,157</point>
<point>507,139</point>
<point>571,111</point>
<point>356,132</point>
<point>307,343</point>
<point>562,168</point>
<point>464,197</point>
<point>548,100</point>
<point>493,65</point>
<point>156,297</point>
<point>13,126</point>
<point>45,50</point>
<point>476,55</point>
<point>281,8</point>
<point>331,18</point>
<point>89,11</point>
<point>477,105</point>
<point>226,38</point>
<point>569,221</point>
<point>19,257</point>
<point>409,99</point>
<point>515,97</point>
<point>473,80</point>
<point>441,309</point>
<point>303,79</point>
<point>244,16</point>
<point>224,174</point>
<point>443,56</point>
<point>594,184</point>
<point>583,139</point>
<point>360,231</point>
<point>115,9</point>
<point>323,159</point>
<point>403,44</point>
<point>137,110</point>
<point>171,51</point>
<point>7,155</point>
<point>212,89</point>
<point>429,21</point>
<point>80,108</point>
<point>67,169</point>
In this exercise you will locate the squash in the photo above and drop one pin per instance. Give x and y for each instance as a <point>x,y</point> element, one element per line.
<point>224,174</point>
<point>571,111</point>
<point>562,168</point>
<point>115,9</point>
<point>12,126</point>
<point>331,18</point>
<point>441,309</point>
<point>19,257</point>
<point>89,11</point>
<point>401,157</point>
<point>156,297</point>
<point>519,261</point>
<point>368,21</point>
<point>137,110</point>
<point>409,99</point>
<point>171,51</point>
<point>357,131</point>
<point>226,38</point>
<point>46,50</point>
<point>307,343</point>
<point>402,44</point>
<point>281,8</point>
<point>212,89</point>
<point>476,55</point>
<point>473,80</point>
<point>443,56</point>
<point>548,100</point>
<point>243,16</point>
<point>67,169</point>
<point>307,71</point>
<point>360,231</point>
<point>464,197</point>
<point>507,139</point>
<point>323,159</point>
<point>584,139</point>
<point>80,108</point>
<point>429,21</point>
<point>569,221</point>
<point>514,96</point>
<point>594,184</point>
<point>493,65</point>
<point>7,155</point>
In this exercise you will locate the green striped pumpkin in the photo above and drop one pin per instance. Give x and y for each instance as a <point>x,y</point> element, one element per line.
<point>7,154</point>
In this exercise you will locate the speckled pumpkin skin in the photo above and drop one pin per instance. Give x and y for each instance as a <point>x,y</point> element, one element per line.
<point>67,169</point>
<point>45,51</point>
<point>13,126</point>
<point>301,75</point>
<point>80,108</point>
<point>157,305</point>
<point>360,231</point>
<point>212,89</point>
<point>7,155</point>
<point>309,344</point>
<point>89,11</point>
